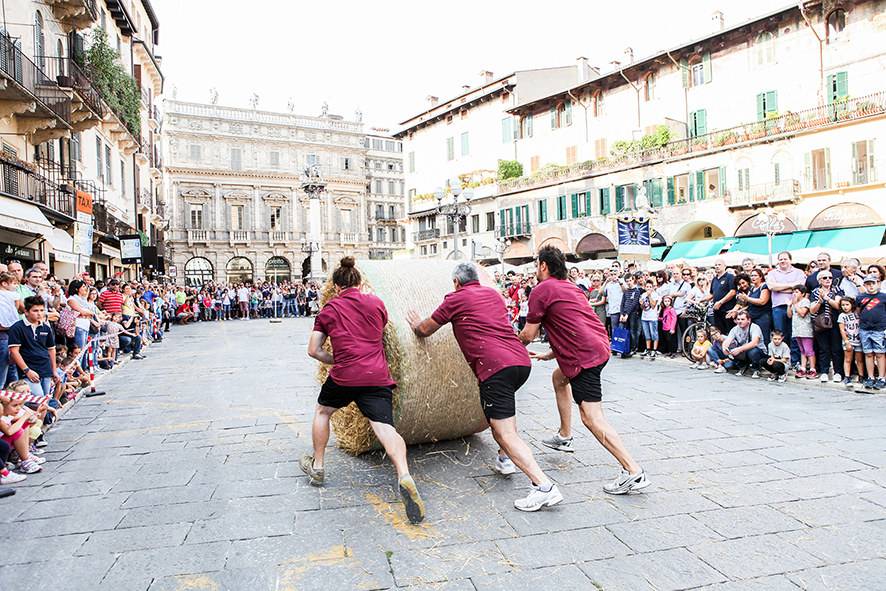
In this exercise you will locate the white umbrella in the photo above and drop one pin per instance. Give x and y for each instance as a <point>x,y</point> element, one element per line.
<point>594,264</point>
<point>869,256</point>
<point>804,256</point>
<point>731,259</point>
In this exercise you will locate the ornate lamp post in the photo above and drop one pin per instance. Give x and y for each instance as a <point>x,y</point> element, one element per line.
<point>454,210</point>
<point>501,247</point>
<point>771,223</point>
<point>312,184</point>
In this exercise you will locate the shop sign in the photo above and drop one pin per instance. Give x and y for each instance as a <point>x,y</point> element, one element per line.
<point>84,202</point>
<point>172,271</point>
<point>845,215</point>
<point>130,248</point>
<point>11,251</point>
<point>83,238</point>
<point>753,226</point>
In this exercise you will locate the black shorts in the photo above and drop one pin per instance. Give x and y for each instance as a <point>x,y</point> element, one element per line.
<point>497,392</point>
<point>587,385</point>
<point>375,402</point>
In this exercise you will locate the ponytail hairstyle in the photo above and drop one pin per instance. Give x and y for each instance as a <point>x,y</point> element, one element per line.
<point>347,275</point>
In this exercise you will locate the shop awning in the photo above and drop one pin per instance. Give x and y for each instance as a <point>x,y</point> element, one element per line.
<point>657,251</point>
<point>845,239</point>
<point>62,246</point>
<point>23,217</point>
<point>699,248</point>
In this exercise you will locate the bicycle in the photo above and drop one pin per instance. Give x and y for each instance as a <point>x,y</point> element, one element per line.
<point>698,315</point>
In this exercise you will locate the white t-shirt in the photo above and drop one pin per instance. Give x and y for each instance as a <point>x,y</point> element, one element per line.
<point>243,294</point>
<point>8,313</point>
<point>614,294</point>
<point>649,304</point>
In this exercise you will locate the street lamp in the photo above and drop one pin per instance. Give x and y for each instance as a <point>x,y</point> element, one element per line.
<point>771,223</point>
<point>309,247</point>
<point>501,247</point>
<point>454,211</point>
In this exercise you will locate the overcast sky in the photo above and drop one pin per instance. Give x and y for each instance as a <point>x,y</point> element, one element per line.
<point>385,57</point>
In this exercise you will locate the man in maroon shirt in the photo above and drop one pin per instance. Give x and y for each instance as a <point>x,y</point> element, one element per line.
<point>501,364</point>
<point>581,346</point>
<point>354,322</point>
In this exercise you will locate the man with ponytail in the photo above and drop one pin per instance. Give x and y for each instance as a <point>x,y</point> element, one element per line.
<point>354,322</point>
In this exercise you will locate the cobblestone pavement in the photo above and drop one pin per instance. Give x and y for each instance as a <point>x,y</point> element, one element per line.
<point>185,476</point>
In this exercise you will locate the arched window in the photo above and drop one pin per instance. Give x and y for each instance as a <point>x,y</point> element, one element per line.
<point>561,115</point>
<point>598,104</point>
<point>277,270</point>
<point>764,46</point>
<point>198,271</point>
<point>60,51</point>
<point>782,169</point>
<point>836,24</point>
<point>526,126</point>
<point>696,71</point>
<point>39,42</point>
<point>649,87</point>
<point>239,270</point>
<point>743,170</point>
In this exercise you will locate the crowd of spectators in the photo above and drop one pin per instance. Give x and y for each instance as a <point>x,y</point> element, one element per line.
<point>820,321</point>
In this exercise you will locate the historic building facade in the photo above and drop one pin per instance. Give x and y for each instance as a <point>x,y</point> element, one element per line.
<point>779,113</point>
<point>79,168</point>
<point>233,181</point>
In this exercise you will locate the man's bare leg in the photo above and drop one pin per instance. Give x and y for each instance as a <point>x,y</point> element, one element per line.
<point>564,402</point>
<point>593,419</point>
<point>504,431</point>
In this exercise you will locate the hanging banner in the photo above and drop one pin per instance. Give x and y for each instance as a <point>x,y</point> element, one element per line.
<point>83,239</point>
<point>634,238</point>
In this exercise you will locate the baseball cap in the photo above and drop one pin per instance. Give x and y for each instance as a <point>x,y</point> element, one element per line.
<point>871,278</point>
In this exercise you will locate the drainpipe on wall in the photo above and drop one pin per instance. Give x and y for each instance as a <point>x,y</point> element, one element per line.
<point>637,90</point>
<point>822,91</point>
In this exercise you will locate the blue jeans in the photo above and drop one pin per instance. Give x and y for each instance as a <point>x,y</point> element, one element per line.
<point>753,357</point>
<point>650,330</point>
<point>126,342</point>
<point>81,337</point>
<point>4,359</point>
<point>635,326</point>
<point>765,324</point>
<point>41,388</point>
<point>780,321</point>
<point>714,354</point>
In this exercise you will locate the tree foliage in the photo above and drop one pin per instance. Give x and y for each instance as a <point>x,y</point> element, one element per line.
<point>118,89</point>
<point>509,169</point>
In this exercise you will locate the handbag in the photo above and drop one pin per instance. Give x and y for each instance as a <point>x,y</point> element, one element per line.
<point>621,340</point>
<point>67,322</point>
<point>822,322</point>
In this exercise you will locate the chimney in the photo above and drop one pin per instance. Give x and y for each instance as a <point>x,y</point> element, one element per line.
<point>584,70</point>
<point>465,88</point>
<point>717,22</point>
<point>485,77</point>
<point>628,56</point>
<point>432,101</point>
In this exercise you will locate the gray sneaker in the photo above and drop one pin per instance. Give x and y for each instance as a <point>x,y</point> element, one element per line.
<point>415,509</point>
<point>505,467</point>
<point>626,482</point>
<point>559,443</point>
<point>538,499</point>
<point>307,466</point>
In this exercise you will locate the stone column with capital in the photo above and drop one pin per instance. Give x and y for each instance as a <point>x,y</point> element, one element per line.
<point>176,203</point>
<point>256,215</point>
<point>219,208</point>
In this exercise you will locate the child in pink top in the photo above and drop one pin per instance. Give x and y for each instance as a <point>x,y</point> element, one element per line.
<point>669,325</point>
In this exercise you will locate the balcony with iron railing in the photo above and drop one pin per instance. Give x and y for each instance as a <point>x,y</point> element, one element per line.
<point>145,201</point>
<point>22,180</point>
<point>106,222</point>
<point>43,109</point>
<point>781,126</point>
<point>786,190</point>
<point>431,234</point>
<point>74,14</point>
<point>88,108</point>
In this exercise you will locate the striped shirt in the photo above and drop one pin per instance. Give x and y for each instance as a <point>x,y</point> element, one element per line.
<point>112,301</point>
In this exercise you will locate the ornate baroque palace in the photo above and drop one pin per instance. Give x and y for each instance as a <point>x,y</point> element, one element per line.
<point>234,184</point>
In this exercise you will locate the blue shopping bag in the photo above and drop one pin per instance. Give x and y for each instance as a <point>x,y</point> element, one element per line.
<point>621,340</point>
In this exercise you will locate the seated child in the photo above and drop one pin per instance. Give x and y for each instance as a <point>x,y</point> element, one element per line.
<point>41,410</point>
<point>78,376</point>
<point>779,357</point>
<point>716,356</point>
<point>14,425</point>
<point>700,350</point>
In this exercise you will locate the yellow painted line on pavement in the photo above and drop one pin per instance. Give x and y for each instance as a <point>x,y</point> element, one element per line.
<point>293,570</point>
<point>394,515</point>
<point>196,583</point>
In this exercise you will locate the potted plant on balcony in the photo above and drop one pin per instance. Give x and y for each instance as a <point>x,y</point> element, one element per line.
<point>757,131</point>
<point>793,122</point>
<point>867,108</point>
<point>699,144</point>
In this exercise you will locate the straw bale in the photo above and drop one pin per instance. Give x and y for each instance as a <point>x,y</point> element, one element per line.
<point>436,397</point>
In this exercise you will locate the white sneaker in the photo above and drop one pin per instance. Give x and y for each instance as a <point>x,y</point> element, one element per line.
<point>783,377</point>
<point>537,499</point>
<point>505,467</point>
<point>694,365</point>
<point>837,378</point>
<point>11,478</point>
<point>713,364</point>
<point>720,369</point>
<point>626,482</point>
<point>702,365</point>
<point>824,378</point>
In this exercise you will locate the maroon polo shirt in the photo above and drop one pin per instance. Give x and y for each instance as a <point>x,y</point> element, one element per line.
<point>577,336</point>
<point>479,321</point>
<point>354,322</point>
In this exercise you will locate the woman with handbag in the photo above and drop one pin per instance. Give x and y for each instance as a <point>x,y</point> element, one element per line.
<point>825,309</point>
<point>79,312</point>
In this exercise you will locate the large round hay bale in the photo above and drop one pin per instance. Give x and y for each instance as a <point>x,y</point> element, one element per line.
<point>436,397</point>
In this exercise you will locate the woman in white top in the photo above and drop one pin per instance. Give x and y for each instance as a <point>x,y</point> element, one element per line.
<point>77,294</point>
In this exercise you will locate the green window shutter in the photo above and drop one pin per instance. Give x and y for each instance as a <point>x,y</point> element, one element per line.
<point>827,166</point>
<point>504,223</point>
<point>672,194</point>
<point>588,203</point>
<point>807,173</point>
<point>450,148</point>
<point>771,102</point>
<point>706,64</point>
<point>656,193</point>
<point>842,85</point>
<point>465,144</point>
<point>575,205</point>
<point>529,117</point>
<point>701,122</point>
<point>699,182</point>
<point>568,112</point>
<point>684,69</point>
<point>518,218</point>
<point>747,179</point>
<point>722,177</point>
<point>604,201</point>
<point>777,173</point>
<point>871,172</point>
<point>761,106</point>
<point>506,133</point>
<point>553,117</point>
<point>691,187</point>
<point>619,198</point>
<point>692,127</point>
<point>832,90</point>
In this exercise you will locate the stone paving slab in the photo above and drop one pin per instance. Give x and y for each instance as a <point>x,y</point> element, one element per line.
<point>185,476</point>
